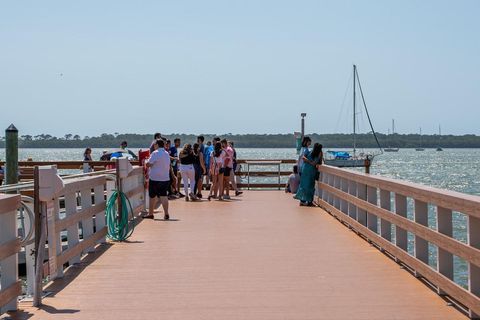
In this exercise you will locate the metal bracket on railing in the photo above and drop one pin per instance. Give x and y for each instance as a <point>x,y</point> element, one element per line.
<point>31,218</point>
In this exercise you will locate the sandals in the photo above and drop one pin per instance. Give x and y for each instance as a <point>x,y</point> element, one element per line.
<point>148,216</point>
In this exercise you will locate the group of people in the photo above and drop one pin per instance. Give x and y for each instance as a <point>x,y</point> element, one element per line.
<point>211,165</point>
<point>302,181</point>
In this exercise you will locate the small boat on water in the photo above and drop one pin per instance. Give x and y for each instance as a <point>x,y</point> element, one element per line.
<point>439,137</point>
<point>420,148</point>
<point>354,158</point>
<point>389,148</point>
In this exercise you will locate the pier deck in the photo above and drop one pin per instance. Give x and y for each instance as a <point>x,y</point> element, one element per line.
<point>260,256</point>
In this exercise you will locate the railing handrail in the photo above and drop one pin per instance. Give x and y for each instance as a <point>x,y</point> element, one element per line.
<point>454,200</point>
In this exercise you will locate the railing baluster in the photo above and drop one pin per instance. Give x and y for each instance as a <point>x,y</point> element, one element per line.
<point>87,224</point>
<point>362,194</point>
<point>401,239</point>
<point>344,203</point>
<point>337,184</point>
<point>352,209</point>
<point>473,270</point>
<point>421,245</point>
<point>444,258</point>
<point>99,217</point>
<point>72,231</point>
<point>385,203</point>
<point>372,220</point>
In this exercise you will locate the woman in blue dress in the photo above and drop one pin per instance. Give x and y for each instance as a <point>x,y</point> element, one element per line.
<point>306,191</point>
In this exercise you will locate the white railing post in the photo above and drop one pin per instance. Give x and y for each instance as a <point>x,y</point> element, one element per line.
<point>343,202</point>
<point>331,197</point>
<point>9,265</point>
<point>87,223</point>
<point>72,231</point>
<point>473,228</point>
<point>444,258</point>
<point>372,220</point>
<point>30,254</point>
<point>100,217</point>
<point>362,194</point>
<point>401,239</point>
<point>421,245</point>
<point>337,185</point>
<point>325,194</point>
<point>352,209</point>
<point>385,203</point>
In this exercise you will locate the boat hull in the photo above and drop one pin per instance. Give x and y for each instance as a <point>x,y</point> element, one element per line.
<point>346,163</point>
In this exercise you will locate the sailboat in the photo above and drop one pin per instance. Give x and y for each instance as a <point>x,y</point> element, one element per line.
<point>439,137</point>
<point>354,159</point>
<point>391,149</point>
<point>420,148</point>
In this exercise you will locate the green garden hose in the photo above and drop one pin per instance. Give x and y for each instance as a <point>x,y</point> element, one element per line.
<point>119,229</point>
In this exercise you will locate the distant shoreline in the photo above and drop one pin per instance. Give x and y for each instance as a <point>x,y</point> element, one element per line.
<point>338,140</point>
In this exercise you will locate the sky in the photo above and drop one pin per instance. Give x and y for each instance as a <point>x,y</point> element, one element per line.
<point>92,67</point>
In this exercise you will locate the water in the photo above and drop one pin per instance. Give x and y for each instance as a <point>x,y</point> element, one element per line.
<point>451,169</point>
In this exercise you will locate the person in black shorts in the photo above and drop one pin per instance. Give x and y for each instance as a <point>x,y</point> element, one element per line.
<point>159,183</point>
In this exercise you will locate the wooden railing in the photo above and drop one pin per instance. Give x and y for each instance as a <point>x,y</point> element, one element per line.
<point>10,245</point>
<point>364,202</point>
<point>26,170</point>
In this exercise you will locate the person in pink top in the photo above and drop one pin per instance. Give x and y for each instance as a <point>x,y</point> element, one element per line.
<point>227,176</point>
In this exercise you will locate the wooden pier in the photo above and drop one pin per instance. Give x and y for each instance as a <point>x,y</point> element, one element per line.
<point>258,256</point>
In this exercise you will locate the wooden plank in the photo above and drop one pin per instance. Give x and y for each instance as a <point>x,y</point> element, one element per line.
<point>82,246</point>
<point>10,248</point>
<point>9,203</point>
<point>463,296</point>
<point>83,183</point>
<point>456,201</point>
<point>70,223</point>
<point>442,241</point>
<point>10,293</point>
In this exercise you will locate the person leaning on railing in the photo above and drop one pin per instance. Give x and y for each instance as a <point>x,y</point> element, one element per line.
<point>306,190</point>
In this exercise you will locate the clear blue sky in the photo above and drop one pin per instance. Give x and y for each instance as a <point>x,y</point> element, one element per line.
<point>87,67</point>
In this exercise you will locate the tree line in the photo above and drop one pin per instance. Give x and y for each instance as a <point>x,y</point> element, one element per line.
<point>336,140</point>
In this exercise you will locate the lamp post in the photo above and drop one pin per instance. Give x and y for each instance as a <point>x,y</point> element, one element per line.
<point>303,115</point>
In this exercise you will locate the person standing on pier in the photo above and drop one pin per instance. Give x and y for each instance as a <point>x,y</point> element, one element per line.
<point>306,142</point>
<point>159,183</point>
<point>187,159</point>
<point>311,160</point>
<point>217,168</point>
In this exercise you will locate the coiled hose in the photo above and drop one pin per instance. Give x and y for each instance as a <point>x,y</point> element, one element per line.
<point>119,229</point>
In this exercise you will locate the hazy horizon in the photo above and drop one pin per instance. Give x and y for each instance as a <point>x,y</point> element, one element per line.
<point>243,67</point>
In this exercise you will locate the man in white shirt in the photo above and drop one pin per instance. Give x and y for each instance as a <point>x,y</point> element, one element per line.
<point>159,183</point>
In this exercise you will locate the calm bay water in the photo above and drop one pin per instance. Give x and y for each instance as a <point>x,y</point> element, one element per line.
<point>451,169</point>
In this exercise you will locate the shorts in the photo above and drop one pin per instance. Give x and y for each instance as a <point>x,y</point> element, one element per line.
<point>158,188</point>
<point>227,171</point>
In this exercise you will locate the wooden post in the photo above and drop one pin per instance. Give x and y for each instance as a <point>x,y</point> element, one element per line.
<point>385,203</point>
<point>362,194</point>
<point>119,189</point>
<point>473,270</point>
<point>421,245</point>
<point>9,265</point>
<point>367,166</point>
<point>401,238</point>
<point>444,258</point>
<point>372,220</point>
<point>11,161</point>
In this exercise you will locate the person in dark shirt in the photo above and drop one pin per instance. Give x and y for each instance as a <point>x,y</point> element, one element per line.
<point>187,159</point>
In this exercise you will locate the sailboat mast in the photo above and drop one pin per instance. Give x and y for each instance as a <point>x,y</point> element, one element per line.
<point>354,111</point>
<point>393,126</point>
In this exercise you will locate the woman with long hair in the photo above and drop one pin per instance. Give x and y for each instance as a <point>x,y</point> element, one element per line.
<point>306,190</point>
<point>306,142</point>
<point>217,168</point>
<point>187,171</point>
